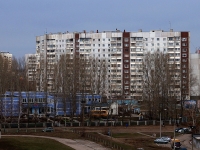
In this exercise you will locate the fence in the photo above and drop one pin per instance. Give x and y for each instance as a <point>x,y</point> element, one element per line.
<point>92,123</point>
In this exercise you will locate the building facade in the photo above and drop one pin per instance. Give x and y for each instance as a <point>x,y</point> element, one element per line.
<point>17,103</point>
<point>7,57</point>
<point>123,51</point>
<point>195,67</point>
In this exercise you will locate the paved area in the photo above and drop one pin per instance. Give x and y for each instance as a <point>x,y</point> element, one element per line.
<point>76,144</point>
<point>185,141</point>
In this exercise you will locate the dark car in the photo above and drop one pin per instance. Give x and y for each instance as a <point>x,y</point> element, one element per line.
<point>48,129</point>
<point>177,130</point>
<point>175,143</point>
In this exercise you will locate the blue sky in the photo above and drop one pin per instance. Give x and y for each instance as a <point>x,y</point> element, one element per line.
<point>23,20</point>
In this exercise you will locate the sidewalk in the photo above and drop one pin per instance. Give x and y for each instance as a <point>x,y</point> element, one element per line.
<point>77,144</point>
<point>185,141</point>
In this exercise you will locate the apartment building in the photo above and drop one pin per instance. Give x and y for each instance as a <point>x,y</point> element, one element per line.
<point>8,57</point>
<point>124,52</point>
<point>195,70</point>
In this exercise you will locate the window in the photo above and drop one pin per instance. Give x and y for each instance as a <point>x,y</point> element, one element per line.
<point>126,66</point>
<point>126,55</point>
<point>126,60</point>
<point>126,39</point>
<point>126,87</point>
<point>184,50</point>
<point>126,50</point>
<point>184,71</point>
<point>126,71</point>
<point>158,39</point>
<point>184,60</point>
<point>158,44</point>
<point>184,39</point>
<point>126,45</point>
<point>184,55</point>
<point>24,100</point>
<point>164,39</point>
<point>152,44</point>
<point>184,44</point>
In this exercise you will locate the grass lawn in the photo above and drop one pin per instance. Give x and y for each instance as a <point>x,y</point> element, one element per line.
<point>29,143</point>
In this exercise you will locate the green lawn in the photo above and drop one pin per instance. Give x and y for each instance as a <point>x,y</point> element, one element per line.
<point>29,143</point>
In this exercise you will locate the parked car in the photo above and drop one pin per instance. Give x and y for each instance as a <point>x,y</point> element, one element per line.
<point>160,141</point>
<point>166,138</point>
<point>175,143</point>
<point>48,129</point>
<point>177,130</point>
<point>183,130</point>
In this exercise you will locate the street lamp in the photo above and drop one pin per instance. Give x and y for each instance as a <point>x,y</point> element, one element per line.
<point>174,133</point>
<point>161,122</point>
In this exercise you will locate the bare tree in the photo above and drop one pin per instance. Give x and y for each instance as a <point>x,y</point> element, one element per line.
<point>158,83</point>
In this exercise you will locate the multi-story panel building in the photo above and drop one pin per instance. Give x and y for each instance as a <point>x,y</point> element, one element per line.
<point>124,52</point>
<point>8,57</point>
<point>31,65</point>
<point>195,70</point>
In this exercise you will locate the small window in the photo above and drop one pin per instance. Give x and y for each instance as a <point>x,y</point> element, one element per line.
<point>184,44</point>
<point>184,50</point>
<point>126,39</point>
<point>184,55</point>
<point>184,39</point>
<point>126,45</point>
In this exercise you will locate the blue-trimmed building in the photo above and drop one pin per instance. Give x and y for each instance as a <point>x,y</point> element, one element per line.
<point>37,102</point>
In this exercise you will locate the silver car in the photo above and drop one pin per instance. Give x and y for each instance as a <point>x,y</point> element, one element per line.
<point>160,141</point>
<point>48,129</point>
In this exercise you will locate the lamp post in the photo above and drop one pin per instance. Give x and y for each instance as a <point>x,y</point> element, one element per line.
<point>161,121</point>
<point>160,124</point>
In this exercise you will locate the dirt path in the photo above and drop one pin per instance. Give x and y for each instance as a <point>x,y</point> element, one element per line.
<point>76,144</point>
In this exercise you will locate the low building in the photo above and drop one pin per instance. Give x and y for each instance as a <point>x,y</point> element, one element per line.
<point>17,103</point>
